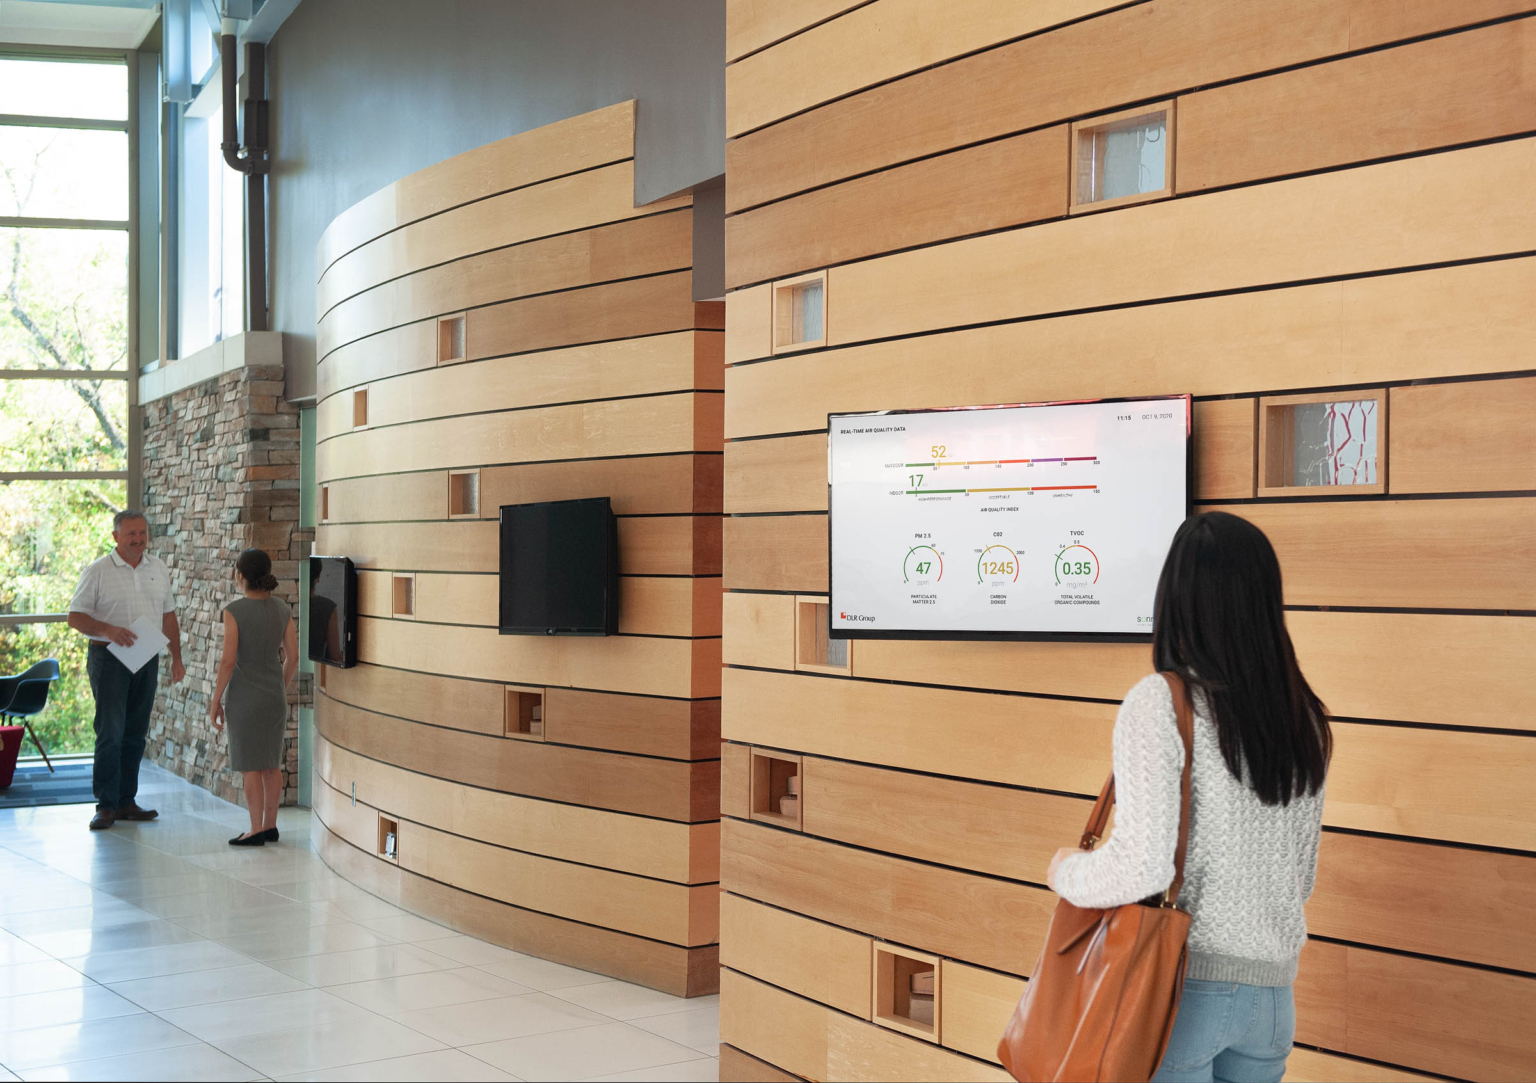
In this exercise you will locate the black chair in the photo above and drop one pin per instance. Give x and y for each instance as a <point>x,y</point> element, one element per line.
<point>26,694</point>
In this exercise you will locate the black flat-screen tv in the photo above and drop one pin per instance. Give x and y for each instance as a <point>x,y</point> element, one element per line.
<point>333,611</point>
<point>559,568</point>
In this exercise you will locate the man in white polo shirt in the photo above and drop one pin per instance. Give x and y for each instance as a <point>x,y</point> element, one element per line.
<point>114,591</point>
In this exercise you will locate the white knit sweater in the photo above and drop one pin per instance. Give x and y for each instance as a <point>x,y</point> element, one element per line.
<point>1250,866</point>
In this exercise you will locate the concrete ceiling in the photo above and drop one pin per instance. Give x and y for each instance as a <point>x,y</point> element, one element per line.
<point>104,24</point>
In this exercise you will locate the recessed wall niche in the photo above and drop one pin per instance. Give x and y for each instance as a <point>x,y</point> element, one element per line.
<point>403,595</point>
<point>800,312</point>
<point>463,494</point>
<point>360,408</point>
<point>815,650</point>
<point>523,714</point>
<point>389,838</point>
<point>1122,158</point>
<point>450,338</point>
<point>775,793</point>
<point>906,991</point>
<point>1326,444</point>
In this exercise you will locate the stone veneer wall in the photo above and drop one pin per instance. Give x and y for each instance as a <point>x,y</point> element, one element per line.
<point>221,474</point>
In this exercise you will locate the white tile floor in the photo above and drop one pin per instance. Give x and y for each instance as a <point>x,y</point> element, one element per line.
<point>155,951</point>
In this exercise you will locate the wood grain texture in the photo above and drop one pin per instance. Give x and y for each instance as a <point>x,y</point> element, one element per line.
<point>977,919</point>
<point>1311,1066</point>
<point>634,844</point>
<point>1017,740</point>
<point>645,485</point>
<point>1009,182</point>
<point>581,142</point>
<point>786,474</point>
<point>1445,322</point>
<point>603,370</point>
<point>744,1067</point>
<point>735,780</point>
<point>1355,553</point>
<point>613,900</point>
<point>1434,784</point>
<point>677,729</point>
<point>1362,107</point>
<point>776,553</point>
<point>661,545</point>
<point>1402,553</point>
<point>1463,437</point>
<point>664,789</point>
<point>753,24</point>
<point>475,706</point>
<point>1397,894</point>
<point>858,1050</point>
<point>1075,71</point>
<point>560,205</point>
<point>779,1027</point>
<point>1436,668</point>
<point>1225,453</point>
<point>659,242</point>
<point>748,323</point>
<point>759,630</point>
<point>1458,205</point>
<point>991,829</point>
<point>667,967</point>
<point>810,958</point>
<point>640,306</point>
<point>977,1007</point>
<point>381,499</point>
<point>681,668</point>
<point>654,424</point>
<point>873,44</point>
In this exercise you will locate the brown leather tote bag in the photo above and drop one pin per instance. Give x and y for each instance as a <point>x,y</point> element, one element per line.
<point>1102,1000</point>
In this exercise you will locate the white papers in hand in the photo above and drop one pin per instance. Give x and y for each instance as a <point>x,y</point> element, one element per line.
<point>150,642</point>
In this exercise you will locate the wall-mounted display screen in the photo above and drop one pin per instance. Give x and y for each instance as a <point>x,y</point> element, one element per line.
<point>1022,521</point>
<point>560,568</point>
<point>333,611</point>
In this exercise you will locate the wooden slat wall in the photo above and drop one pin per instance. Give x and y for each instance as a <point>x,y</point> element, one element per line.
<point>1350,210</point>
<point>588,371</point>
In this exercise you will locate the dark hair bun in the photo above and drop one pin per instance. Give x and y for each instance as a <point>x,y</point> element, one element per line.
<point>255,567</point>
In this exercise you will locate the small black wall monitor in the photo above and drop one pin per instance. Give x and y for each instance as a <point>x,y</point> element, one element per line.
<point>333,611</point>
<point>560,568</point>
<point>1027,521</point>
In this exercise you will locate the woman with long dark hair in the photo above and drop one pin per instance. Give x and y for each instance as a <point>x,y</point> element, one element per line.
<point>1261,752</point>
<point>261,653</point>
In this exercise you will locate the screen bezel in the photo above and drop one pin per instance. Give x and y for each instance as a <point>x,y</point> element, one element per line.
<point>1014,637</point>
<point>610,622</point>
<point>350,615</point>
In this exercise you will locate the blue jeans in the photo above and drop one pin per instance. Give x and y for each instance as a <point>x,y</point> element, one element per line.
<point>1232,1032</point>
<point>123,704</point>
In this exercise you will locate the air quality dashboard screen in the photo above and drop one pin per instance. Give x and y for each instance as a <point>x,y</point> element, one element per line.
<point>1031,521</point>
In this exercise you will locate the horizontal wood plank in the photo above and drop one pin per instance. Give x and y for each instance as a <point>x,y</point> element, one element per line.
<point>1362,107</point>
<point>1462,204</point>
<point>764,552</point>
<point>475,706</point>
<point>655,424</point>
<point>1450,321</point>
<point>735,780</point>
<point>580,142</point>
<point>811,958</point>
<point>392,497</point>
<point>681,668</point>
<point>661,849</point>
<point>759,630</point>
<point>977,919</point>
<point>640,306</point>
<point>660,242</point>
<point>1060,745</point>
<point>648,545</point>
<point>1463,437</point>
<point>873,44</point>
<point>664,789</point>
<point>779,1027</point>
<point>603,370</point>
<point>1009,182</point>
<point>1433,900</point>
<point>859,1050</point>
<point>977,1007</point>
<point>1225,434</point>
<point>677,729</point>
<point>578,201</point>
<point>753,24</point>
<point>734,1065</point>
<point>1311,1066</point>
<point>785,474</point>
<point>748,323</point>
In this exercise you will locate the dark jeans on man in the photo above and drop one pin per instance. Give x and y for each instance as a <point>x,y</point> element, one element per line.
<point>123,704</point>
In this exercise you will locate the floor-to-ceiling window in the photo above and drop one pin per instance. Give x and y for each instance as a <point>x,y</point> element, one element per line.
<point>64,355</point>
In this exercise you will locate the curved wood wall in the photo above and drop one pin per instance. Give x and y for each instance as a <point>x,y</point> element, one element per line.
<point>1351,209</point>
<point>587,370</point>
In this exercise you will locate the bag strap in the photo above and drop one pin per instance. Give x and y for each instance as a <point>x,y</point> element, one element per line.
<point>1099,817</point>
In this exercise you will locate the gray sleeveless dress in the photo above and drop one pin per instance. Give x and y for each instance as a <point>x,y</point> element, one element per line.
<point>256,704</point>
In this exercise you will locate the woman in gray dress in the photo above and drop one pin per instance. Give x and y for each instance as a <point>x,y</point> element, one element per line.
<point>256,628</point>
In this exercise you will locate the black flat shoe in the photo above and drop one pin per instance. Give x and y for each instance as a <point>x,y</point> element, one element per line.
<point>270,834</point>
<point>249,840</point>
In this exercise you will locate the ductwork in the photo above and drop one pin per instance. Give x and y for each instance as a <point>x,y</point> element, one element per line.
<point>252,160</point>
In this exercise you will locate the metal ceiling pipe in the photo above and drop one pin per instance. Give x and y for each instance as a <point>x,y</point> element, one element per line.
<point>252,161</point>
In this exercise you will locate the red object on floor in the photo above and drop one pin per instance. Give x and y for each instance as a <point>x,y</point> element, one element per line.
<point>10,748</point>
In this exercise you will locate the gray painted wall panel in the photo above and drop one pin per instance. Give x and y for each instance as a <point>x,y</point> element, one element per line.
<point>367,91</point>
